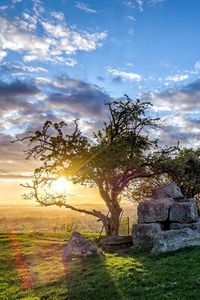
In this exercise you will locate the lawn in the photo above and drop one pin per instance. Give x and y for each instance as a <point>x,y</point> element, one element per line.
<point>31,268</point>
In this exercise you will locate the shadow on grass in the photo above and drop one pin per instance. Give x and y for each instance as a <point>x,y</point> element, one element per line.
<point>90,279</point>
<point>132,275</point>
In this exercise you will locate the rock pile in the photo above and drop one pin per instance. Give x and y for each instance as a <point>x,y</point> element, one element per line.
<point>167,222</point>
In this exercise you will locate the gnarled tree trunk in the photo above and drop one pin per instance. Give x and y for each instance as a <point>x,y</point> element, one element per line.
<point>111,223</point>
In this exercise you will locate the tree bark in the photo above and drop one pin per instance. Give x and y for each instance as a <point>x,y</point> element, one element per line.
<point>112,223</point>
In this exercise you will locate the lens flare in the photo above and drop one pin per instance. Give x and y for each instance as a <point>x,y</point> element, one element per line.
<point>60,185</point>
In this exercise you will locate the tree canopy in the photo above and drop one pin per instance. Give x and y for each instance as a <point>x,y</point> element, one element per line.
<point>120,153</point>
<point>184,169</point>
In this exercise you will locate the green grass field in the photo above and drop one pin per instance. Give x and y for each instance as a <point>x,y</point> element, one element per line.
<point>31,268</point>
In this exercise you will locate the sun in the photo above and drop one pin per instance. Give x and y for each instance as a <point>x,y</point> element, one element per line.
<point>60,185</point>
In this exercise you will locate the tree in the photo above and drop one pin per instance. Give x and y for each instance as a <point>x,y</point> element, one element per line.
<point>184,169</point>
<point>119,154</point>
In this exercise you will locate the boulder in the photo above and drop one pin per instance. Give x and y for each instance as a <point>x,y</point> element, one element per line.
<point>151,211</point>
<point>193,226</point>
<point>143,234</point>
<point>79,246</point>
<point>173,240</point>
<point>170,190</point>
<point>184,212</point>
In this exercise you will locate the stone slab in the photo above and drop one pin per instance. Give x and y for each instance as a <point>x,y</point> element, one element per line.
<point>184,212</point>
<point>173,240</point>
<point>143,234</point>
<point>117,240</point>
<point>193,226</point>
<point>151,211</point>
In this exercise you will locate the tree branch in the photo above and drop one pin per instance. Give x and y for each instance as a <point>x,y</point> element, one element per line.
<point>56,199</point>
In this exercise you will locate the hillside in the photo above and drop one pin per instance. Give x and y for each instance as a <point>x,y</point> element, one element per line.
<point>31,268</point>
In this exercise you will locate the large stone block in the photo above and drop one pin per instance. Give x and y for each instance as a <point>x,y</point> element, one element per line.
<point>143,234</point>
<point>193,226</point>
<point>184,212</point>
<point>170,190</point>
<point>151,211</point>
<point>173,240</point>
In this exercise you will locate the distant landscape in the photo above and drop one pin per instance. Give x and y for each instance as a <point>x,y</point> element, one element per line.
<point>37,219</point>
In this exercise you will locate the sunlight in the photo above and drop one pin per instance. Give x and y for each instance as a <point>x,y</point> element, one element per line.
<point>60,185</point>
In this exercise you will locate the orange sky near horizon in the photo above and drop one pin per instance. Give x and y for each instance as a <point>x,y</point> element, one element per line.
<point>11,193</point>
<point>79,196</point>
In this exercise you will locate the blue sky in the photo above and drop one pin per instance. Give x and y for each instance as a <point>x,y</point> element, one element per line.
<point>133,46</point>
<point>63,59</point>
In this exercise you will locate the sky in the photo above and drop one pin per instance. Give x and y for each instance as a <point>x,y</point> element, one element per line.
<point>63,59</point>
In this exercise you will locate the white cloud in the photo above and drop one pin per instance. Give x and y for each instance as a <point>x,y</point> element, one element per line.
<point>3,7</point>
<point>20,69</point>
<point>2,54</point>
<point>34,69</point>
<point>131,18</point>
<point>129,65</point>
<point>68,61</point>
<point>37,7</point>
<point>28,58</point>
<point>125,75</point>
<point>86,8</point>
<point>128,3</point>
<point>57,15</point>
<point>43,80</point>
<point>16,1</point>
<point>140,4</point>
<point>71,62</point>
<point>12,37</point>
<point>71,40</point>
<point>179,108</point>
<point>178,77</point>
<point>31,21</point>
<point>154,2</point>
<point>197,65</point>
<point>56,41</point>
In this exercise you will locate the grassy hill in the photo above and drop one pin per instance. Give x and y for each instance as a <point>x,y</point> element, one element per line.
<point>31,268</point>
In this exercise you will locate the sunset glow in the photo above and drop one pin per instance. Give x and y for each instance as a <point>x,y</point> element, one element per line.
<point>61,185</point>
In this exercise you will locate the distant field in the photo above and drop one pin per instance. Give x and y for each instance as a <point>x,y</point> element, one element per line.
<point>42,219</point>
<point>31,268</point>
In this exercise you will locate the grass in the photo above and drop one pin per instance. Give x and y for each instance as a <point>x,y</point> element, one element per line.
<point>31,268</point>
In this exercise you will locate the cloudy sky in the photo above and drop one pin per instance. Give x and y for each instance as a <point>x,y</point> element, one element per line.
<point>63,59</point>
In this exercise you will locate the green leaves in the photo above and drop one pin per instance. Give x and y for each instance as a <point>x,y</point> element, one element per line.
<point>120,153</point>
<point>122,143</point>
<point>184,169</point>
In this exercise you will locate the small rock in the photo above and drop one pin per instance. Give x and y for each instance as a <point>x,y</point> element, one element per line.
<point>79,246</point>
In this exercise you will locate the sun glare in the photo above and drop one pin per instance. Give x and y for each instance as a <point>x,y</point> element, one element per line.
<point>60,184</point>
